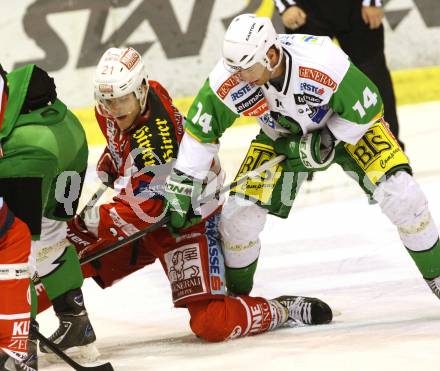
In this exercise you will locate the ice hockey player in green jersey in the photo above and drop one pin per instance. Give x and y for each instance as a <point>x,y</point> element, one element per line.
<point>316,108</point>
<point>43,160</point>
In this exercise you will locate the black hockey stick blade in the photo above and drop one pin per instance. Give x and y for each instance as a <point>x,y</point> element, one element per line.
<point>76,366</point>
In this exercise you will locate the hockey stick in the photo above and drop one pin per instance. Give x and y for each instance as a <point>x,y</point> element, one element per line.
<point>251,174</point>
<point>93,200</point>
<point>54,348</point>
<point>125,241</point>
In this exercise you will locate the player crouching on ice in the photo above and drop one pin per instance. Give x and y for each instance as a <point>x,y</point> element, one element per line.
<point>143,130</point>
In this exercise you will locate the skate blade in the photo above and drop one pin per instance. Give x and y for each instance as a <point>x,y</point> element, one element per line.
<point>83,354</point>
<point>295,323</point>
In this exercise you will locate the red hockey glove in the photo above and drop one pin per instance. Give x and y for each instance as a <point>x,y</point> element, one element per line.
<point>78,235</point>
<point>106,169</point>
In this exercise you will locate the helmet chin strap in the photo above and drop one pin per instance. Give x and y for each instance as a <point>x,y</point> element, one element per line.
<point>280,59</point>
<point>143,110</point>
<point>139,118</point>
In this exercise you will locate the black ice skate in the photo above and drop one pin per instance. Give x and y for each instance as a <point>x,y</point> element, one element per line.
<point>75,329</point>
<point>3,359</point>
<point>29,363</point>
<point>304,310</point>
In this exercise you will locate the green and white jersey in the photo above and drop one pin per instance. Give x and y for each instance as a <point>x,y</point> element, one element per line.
<point>41,152</point>
<point>321,87</point>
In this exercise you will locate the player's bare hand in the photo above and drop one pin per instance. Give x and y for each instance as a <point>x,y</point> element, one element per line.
<point>293,17</point>
<point>372,16</point>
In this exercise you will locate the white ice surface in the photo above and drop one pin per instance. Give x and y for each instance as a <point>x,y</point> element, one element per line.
<point>333,246</point>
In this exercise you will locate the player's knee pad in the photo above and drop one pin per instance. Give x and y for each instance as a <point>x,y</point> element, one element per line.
<point>241,223</point>
<point>401,199</point>
<point>405,204</point>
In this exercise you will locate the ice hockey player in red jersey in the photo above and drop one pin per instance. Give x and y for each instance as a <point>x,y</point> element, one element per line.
<point>15,247</point>
<point>143,130</point>
<point>15,307</point>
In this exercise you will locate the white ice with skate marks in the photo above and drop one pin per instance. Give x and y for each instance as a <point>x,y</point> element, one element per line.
<point>334,246</point>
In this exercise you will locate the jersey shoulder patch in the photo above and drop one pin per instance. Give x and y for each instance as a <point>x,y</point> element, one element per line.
<point>319,60</point>
<point>241,97</point>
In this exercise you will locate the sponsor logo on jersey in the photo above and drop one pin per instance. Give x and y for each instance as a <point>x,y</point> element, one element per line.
<point>317,113</point>
<point>312,88</point>
<point>258,110</point>
<point>130,58</point>
<point>305,98</point>
<point>312,99</point>
<point>146,190</point>
<point>312,39</point>
<point>185,272</point>
<point>156,139</point>
<point>254,105</point>
<point>216,262</point>
<point>241,92</point>
<point>227,85</point>
<point>299,99</point>
<point>250,101</point>
<point>20,332</point>
<point>21,328</point>
<point>318,76</point>
<point>267,119</point>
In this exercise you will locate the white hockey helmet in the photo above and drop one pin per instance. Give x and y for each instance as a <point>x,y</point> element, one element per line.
<point>247,40</point>
<point>120,72</point>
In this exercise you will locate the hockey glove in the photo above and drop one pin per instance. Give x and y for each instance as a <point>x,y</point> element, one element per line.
<point>287,123</point>
<point>181,193</point>
<point>78,234</point>
<point>311,152</point>
<point>106,169</point>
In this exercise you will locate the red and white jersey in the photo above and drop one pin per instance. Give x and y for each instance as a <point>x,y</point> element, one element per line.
<point>6,218</point>
<point>143,160</point>
<point>15,246</point>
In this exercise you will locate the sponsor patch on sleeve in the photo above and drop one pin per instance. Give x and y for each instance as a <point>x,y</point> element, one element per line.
<point>227,85</point>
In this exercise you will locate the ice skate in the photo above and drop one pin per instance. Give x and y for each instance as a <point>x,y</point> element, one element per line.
<point>75,329</point>
<point>305,310</point>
